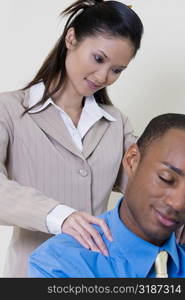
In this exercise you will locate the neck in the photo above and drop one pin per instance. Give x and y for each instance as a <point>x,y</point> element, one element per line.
<point>67,98</point>
<point>69,101</point>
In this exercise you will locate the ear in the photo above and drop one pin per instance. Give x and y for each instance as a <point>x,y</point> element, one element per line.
<point>131,160</point>
<point>70,39</point>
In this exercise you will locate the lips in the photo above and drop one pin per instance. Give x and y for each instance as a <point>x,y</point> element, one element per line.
<point>166,220</point>
<point>92,85</point>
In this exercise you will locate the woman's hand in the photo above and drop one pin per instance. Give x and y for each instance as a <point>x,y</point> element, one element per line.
<point>78,224</point>
<point>180,235</point>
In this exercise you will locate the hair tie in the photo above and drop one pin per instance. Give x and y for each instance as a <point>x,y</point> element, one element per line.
<point>94,2</point>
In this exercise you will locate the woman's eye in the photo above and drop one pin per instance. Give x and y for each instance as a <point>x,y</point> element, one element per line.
<point>98,58</point>
<point>168,181</point>
<point>117,71</point>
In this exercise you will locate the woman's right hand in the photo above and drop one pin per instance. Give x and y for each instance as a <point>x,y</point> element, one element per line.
<point>78,225</point>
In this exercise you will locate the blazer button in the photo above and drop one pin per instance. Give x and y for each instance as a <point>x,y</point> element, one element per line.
<point>83,172</point>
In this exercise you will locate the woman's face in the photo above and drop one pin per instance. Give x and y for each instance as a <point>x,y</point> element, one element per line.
<point>95,62</point>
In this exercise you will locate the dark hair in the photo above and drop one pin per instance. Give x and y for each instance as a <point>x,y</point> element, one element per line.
<point>88,18</point>
<point>158,127</point>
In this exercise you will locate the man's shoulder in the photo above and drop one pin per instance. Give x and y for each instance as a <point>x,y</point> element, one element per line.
<point>58,243</point>
<point>62,256</point>
<point>66,242</point>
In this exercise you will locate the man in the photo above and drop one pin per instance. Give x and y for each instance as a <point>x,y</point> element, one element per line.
<point>142,224</point>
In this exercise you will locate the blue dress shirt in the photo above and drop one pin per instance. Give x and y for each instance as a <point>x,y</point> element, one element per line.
<point>129,255</point>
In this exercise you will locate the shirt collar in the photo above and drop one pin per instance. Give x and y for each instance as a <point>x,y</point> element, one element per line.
<point>134,249</point>
<point>36,93</point>
<point>90,106</point>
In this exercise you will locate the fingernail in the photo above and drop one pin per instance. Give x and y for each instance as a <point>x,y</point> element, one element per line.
<point>110,238</point>
<point>105,252</point>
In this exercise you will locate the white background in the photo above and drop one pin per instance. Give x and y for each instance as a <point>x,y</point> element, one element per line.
<point>154,83</point>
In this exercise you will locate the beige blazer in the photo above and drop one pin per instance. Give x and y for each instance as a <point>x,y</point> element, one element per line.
<point>40,167</point>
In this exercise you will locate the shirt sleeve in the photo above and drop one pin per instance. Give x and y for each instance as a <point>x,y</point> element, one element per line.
<point>57,216</point>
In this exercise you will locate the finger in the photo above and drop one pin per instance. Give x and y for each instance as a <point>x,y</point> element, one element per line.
<point>102,224</point>
<point>96,237</point>
<point>78,237</point>
<point>86,236</point>
<point>81,235</point>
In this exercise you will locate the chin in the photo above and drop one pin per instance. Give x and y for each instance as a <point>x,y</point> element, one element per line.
<point>84,93</point>
<point>159,238</point>
<point>87,94</point>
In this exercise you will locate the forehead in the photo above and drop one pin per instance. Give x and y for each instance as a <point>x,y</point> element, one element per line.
<point>170,147</point>
<point>117,49</point>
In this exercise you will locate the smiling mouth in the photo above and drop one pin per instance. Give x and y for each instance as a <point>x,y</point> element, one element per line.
<point>92,85</point>
<point>165,220</point>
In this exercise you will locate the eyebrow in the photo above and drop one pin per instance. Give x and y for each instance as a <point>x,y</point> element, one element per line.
<point>123,67</point>
<point>176,170</point>
<point>103,53</point>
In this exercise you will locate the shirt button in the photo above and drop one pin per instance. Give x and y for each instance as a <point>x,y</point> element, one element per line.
<point>83,172</point>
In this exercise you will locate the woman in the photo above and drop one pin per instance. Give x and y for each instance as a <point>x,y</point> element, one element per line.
<point>62,141</point>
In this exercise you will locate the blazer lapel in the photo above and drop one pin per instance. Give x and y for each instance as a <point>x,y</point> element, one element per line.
<point>94,135</point>
<point>52,124</point>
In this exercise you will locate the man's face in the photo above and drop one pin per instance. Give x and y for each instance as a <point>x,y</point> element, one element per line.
<point>154,204</point>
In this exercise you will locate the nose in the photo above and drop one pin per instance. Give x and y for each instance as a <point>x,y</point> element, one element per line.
<point>101,76</point>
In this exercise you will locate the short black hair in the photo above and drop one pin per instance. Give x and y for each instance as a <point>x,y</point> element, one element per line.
<point>157,127</point>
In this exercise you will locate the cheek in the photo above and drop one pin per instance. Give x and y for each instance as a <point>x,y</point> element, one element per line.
<point>68,64</point>
<point>150,183</point>
<point>155,187</point>
<point>74,64</point>
<point>149,189</point>
<point>112,78</point>
<point>82,62</point>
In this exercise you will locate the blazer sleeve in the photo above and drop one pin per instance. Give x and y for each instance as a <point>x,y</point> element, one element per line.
<point>128,139</point>
<point>19,205</point>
